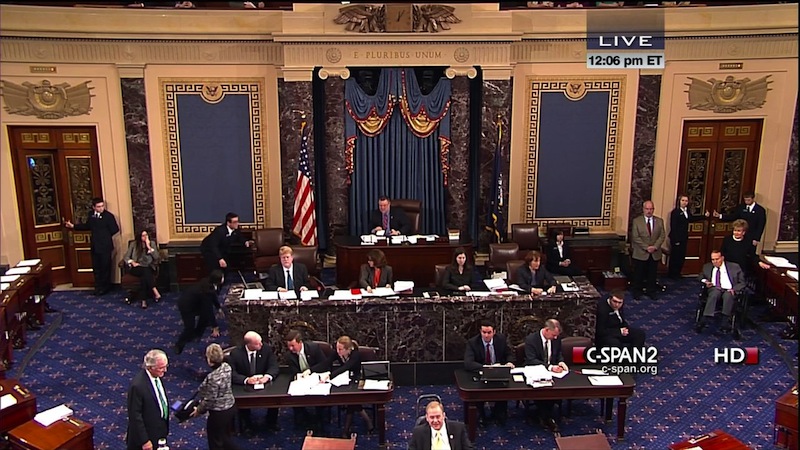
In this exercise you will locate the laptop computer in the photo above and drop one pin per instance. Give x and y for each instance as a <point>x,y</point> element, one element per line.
<point>254,285</point>
<point>375,370</point>
<point>495,374</point>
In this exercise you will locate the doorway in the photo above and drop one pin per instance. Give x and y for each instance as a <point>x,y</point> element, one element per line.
<point>718,164</point>
<point>57,173</point>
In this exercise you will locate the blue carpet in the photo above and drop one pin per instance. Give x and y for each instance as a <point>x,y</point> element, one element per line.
<point>88,360</point>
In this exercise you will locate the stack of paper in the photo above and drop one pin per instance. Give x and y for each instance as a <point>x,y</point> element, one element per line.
<point>7,400</point>
<point>50,416</point>
<point>535,376</point>
<point>288,295</point>
<point>8,278</point>
<point>570,287</point>
<point>4,286</point>
<point>18,271</point>
<point>495,284</point>
<point>607,380</point>
<point>378,292</point>
<point>343,379</point>
<point>309,385</point>
<point>780,262</point>
<point>259,294</point>
<point>308,295</point>
<point>376,385</point>
<point>344,294</point>
<point>368,239</point>
<point>792,274</point>
<point>28,262</point>
<point>400,286</point>
<point>478,293</point>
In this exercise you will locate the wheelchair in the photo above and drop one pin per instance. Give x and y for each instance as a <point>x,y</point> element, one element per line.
<point>738,315</point>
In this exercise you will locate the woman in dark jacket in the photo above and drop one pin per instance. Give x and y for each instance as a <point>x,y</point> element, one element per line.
<point>679,220</point>
<point>141,260</point>
<point>347,359</point>
<point>458,276</point>
<point>376,272</point>
<point>216,397</point>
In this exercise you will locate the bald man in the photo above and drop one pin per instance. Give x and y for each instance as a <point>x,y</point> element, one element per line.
<point>647,236</point>
<point>254,363</point>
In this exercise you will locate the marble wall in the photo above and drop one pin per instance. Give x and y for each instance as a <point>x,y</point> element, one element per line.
<point>789,227</point>
<point>336,177</point>
<point>497,97</point>
<point>294,97</point>
<point>644,147</point>
<point>457,196</point>
<point>134,110</point>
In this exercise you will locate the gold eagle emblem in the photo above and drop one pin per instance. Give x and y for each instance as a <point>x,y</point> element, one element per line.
<point>728,95</point>
<point>371,18</point>
<point>47,100</point>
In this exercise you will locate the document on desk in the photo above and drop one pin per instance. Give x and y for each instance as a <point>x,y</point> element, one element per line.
<point>4,286</point>
<point>7,400</point>
<point>18,271</point>
<point>607,380</point>
<point>400,286</point>
<point>561,374</point>
<point>252,294</point>
<point>537,373</point>
<point>378,292</point>
<point>792,274</point>
<point>780,262</point>
<point>570,287</point>
<point>344,294</point>
<point>495,284</point>
<point>376,385</point>
<point>288,295</point>
<point>592,372</point>
<point>309,385</point>
<point>52,415</point>
<point>343,379</point>
<point>8,278</point>
<point>308,295</point>
<point>369,239</point>
<point>478,293</point>
<point>28,262</point>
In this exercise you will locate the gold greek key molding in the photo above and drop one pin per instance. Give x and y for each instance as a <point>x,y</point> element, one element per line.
<point>139,53</point>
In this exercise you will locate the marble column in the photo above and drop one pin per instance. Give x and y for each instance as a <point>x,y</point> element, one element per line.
<point>497,96</point>
<point>789,227</point>
<point>644,146</point>
<point>134,109</point>
<point>457,200</point>
<point>337,186</point>
<point>293,96</point>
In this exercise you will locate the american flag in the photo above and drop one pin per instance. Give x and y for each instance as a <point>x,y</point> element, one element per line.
<point>304,222</point>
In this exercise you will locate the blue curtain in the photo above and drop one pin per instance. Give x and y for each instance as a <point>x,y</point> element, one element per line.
<point>397,145</point>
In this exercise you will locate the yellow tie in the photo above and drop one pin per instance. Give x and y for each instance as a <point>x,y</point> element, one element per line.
<point>439,443</point>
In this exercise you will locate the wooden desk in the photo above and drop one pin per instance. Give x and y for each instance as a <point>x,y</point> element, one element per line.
<point>72,434</point>
<point>597,441</point>
<point>12,303</point>
<point>323,443</point>
<point>23,411</point>
<point>410,262</point>
<point>274,395</point>
<point>715,440</point>
<point>786,420</point>
<point>572,386</point>
<point>42,278</point>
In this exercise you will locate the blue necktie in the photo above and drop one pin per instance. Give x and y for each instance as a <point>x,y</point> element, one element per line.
<point>289,281</point>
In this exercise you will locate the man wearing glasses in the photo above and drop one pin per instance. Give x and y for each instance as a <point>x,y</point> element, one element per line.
<point>613,329</point>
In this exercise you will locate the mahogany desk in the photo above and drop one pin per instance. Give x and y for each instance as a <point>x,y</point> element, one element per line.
<point>410,262</point>
<point>786,420</point>
<point>19,413</point>
<point>323,443</point>
<point>715,440</point>
<point>275,395</point>
<point>71,434</point>
<point>572,386</point>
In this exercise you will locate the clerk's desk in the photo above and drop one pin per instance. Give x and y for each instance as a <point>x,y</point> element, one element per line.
<point>19,413</point>
<point>410,262</point>
<point>70,434</point>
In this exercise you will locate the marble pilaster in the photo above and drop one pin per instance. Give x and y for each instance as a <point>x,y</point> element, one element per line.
<point>337,187</point>
<point>134,108</point>
<point>497,97</point>
<point>293,97</point>
<point>644,146</point>
<point>457,199</point>
<point>789,227</point>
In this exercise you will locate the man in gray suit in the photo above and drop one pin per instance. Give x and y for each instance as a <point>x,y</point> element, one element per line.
<point>647,237</point>
<point>723,279</point>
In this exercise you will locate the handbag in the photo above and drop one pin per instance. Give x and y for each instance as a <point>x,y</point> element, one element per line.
<point>183,411</point>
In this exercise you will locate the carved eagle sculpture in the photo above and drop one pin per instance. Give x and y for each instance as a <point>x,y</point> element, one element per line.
<point>729,95</point>
<point>432,18</point>
<point>362,18</point>
<point>46,100</point>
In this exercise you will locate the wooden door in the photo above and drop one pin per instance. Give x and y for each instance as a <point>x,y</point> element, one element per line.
<point>718,165</point>
<point>57,174</point>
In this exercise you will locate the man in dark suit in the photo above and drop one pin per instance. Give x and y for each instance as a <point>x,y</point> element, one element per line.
<point>254,363</point>
<point>439,432</point>
<point>754,214</point>
<point>679,220</point>
<point>148,410</point>
<point>223,243</point>
<point>486,349</point>
<point>305,358</point>
<point>533,278</point>
<point>647,237</point>
<point>287,276</point>
<point>544,348</point>
<point>197,307</point>
<point>392,221</point>
<point>723,280</point>
<point>612,330</point>
<point>559,257</point>
<point>103,226</point>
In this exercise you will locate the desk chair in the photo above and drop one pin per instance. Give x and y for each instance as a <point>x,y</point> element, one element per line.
<point>526,235</point>
<point>499,255</point>
<point>511,270</point>
<point>130,283</point>
<point>267,241</point>
<point>567,345</point>
<point>440,269</point>
<point>309,256</point>
<point>367,354</point>
<point>413,210</point>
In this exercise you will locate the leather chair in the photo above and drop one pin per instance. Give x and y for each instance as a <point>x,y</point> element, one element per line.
<point>326,348</point>
<point>440,268</point>
<point>308,256</point>
<point>268,241</point>
<point>526,235</point>
<point>499,255</point>
<point>412,208</point>
<point>568,343</point>
<point>511,270</point>
<point>130,283</point>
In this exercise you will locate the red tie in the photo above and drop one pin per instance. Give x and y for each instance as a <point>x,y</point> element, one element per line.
<point>377,277</point>
<point>649,228</point>
<point>488,355</point>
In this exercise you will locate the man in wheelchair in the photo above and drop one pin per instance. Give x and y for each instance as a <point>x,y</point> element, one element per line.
<point>720,280</point>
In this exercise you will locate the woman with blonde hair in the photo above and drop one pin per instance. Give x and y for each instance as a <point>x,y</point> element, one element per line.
<point>347,359</point>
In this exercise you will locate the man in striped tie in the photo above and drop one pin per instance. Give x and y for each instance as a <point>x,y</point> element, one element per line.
<point>439,433</point>
<point>390,221</point>
<point>148,408</point>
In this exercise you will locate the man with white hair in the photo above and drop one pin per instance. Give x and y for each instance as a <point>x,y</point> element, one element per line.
<point>148,410</point>
<point>254,363</point>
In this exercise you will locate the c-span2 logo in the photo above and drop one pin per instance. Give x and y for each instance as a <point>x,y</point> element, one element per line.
<point>736,355</point>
